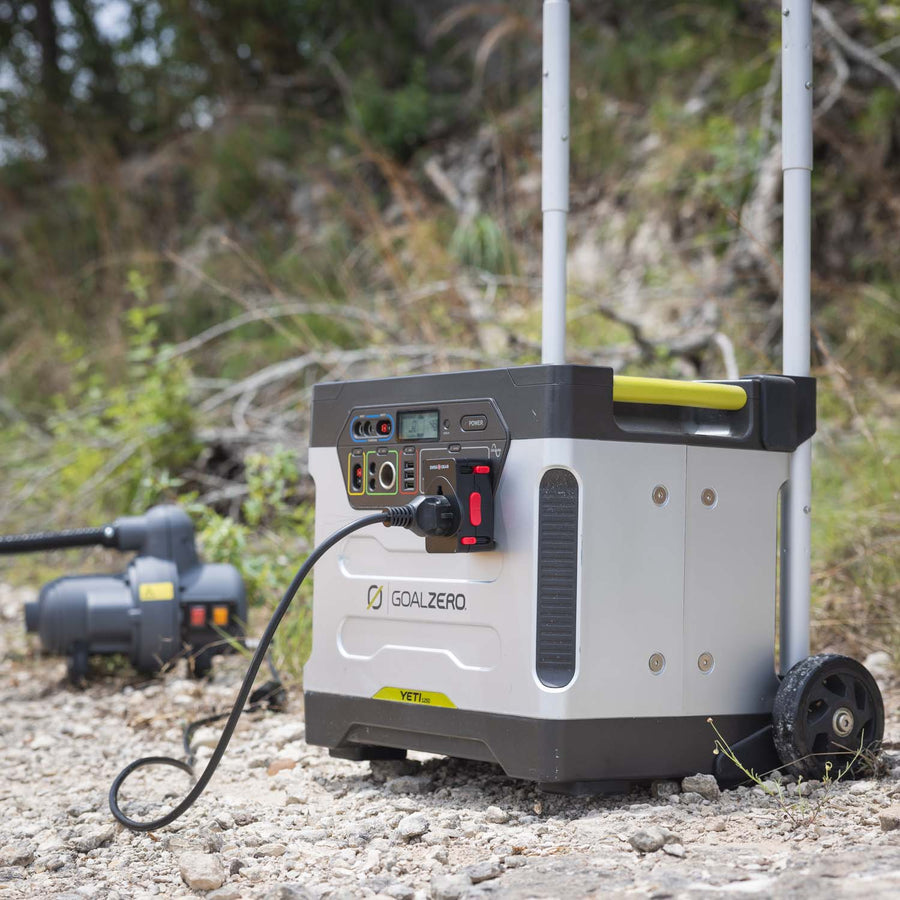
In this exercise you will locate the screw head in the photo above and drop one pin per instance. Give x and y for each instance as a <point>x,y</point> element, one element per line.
<point>705,662</point>
<point>708,497</point>
<point>660,495</point>
<point>842,722</point>
<point>656,663</point>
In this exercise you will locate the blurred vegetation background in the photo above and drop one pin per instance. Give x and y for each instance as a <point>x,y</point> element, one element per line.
<point>206,206</point>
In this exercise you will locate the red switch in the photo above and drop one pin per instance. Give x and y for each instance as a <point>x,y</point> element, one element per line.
<point>482,470</point>
<point>197,616</point>
<point>475,508</point>
<point>468,541</point>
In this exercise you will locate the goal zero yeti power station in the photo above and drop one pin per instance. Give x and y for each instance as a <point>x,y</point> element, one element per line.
<point>628,583</point>
<point>613,580</point>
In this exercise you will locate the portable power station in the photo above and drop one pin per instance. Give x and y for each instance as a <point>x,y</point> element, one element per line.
<point>613,583</point>
<point>627,586</point>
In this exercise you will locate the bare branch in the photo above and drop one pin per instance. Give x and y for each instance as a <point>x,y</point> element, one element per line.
<point>841,76</point>
<point>858,51</point>
<point>331,310</point>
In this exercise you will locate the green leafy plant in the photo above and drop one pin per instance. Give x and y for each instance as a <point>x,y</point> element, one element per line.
<point>481,243</point>
<point>267,541</point>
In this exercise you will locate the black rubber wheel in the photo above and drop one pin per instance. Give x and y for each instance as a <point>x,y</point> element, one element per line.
<point>826,709</point>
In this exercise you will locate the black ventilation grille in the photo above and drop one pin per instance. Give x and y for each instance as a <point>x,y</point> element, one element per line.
<point>557,583</point>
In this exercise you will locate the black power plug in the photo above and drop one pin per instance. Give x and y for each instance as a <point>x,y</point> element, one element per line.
<point>431,515</point>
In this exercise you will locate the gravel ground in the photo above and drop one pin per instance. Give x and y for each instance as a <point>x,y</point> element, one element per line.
<point>282,820</point>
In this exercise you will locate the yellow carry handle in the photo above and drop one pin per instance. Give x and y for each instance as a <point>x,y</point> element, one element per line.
<point>664,392</point>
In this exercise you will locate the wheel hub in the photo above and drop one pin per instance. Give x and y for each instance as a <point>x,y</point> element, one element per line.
<point>842,722</point>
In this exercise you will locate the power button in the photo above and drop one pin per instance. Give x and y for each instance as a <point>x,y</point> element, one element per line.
<point>473,423</point>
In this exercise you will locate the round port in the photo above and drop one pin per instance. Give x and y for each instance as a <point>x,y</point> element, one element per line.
<point>384,427</point>
<point>372,484</point>
<point>387,476</point>
<point>369,428</point>
<point>357,429</point>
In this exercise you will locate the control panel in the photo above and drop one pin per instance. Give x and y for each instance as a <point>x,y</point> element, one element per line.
<point>391,453</point>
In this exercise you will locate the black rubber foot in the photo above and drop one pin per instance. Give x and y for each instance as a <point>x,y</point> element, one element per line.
<point>77,663</point>
<point>585,788</point>
<point>364,752</point>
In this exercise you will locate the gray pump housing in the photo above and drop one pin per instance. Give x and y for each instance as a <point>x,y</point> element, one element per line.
<point>150,612</point>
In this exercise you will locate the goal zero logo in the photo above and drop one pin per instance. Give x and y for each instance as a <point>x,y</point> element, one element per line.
<point>413,599</point>
<point>375,597</point>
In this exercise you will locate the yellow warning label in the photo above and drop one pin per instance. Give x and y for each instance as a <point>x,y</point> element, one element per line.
<point>423,698</point>
<point>157,590</point>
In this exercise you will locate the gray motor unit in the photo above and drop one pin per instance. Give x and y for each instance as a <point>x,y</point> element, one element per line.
<point>165,603</point>
<point>628,588</point>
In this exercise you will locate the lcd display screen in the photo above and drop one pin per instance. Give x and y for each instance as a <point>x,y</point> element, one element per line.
<point>419,426</point>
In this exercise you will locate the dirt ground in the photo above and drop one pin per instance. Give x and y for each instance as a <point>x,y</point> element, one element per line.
<point>283,820</point>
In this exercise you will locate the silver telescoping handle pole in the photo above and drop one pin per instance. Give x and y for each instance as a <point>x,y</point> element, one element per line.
<point>796,152</point>
<point>554,178</point>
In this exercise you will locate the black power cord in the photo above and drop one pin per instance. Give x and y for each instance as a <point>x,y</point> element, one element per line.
<point>424,515</point>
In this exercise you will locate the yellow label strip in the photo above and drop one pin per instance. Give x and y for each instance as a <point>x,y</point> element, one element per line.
<point>156,590</point>
<point>422,698</point>
<point>665,392</point>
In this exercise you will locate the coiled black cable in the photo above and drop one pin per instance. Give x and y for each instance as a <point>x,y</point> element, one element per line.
<point>387,517</point>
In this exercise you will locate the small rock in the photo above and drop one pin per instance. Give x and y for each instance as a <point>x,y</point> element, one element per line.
<point>653,838</point>
<point>514,862</point>
<point>16,855</point>
<point>483,871</point>
<point>212,842</point>
<point>42,742</point>
<point>689,797</point>
<point>235,866</point>
<point>412,826</point>
<point>449,887</point>
<point>647,840</point>
<point>861,787</point>
<point>889,819</point>
<point>675,850</point>
<point>224,820</point>
<point>704,785</point>
<point>441,855</point>
<point>52,863</point>
<point>271,850</point>
<point>410,784</point>
<point>399,891</point>
<point>496,815</point>
<point>201,871</point>
<point>229,892</point>
<point>287,892</point>
<point>90,837</point>
<point>662,790</point>
<point>280,765</point>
